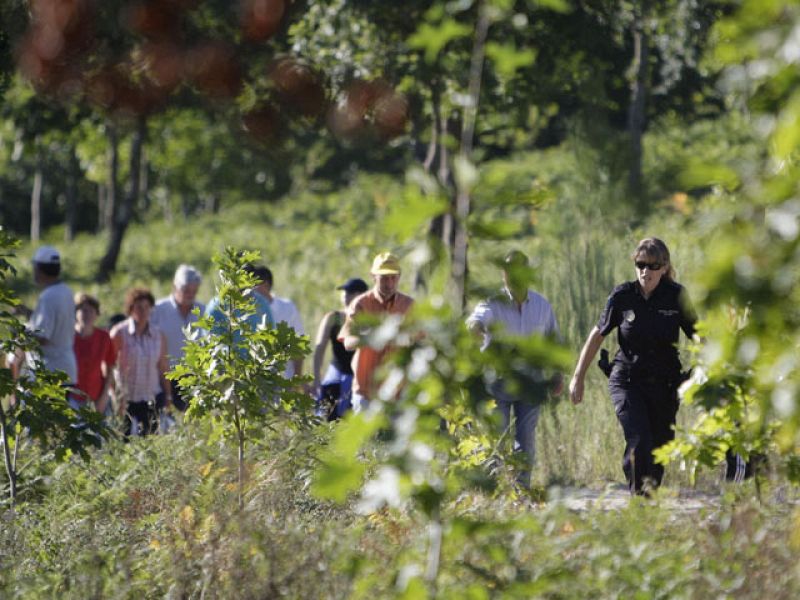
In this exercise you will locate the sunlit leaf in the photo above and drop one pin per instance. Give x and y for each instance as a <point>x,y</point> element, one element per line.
<point>433,38</point>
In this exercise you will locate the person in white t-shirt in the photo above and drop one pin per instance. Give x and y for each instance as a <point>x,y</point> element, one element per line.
<point>284,310</point>
<point>53,320</point>
<point>173,313</point>
<point>517,311</point>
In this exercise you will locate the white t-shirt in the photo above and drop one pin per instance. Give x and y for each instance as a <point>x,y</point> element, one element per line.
<point>54,320</point>
<point>167,317</point>
<point>284,310</point>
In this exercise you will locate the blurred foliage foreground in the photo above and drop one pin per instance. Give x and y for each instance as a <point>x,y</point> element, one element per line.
<point>438,516</point>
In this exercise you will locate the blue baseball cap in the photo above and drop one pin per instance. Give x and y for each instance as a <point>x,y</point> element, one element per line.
<point>354,284</point>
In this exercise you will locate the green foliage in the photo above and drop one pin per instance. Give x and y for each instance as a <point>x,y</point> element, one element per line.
<point>154,520</point>
<point>432,38</point>
<point>747,376</point>
<point>436,377</point>
<point>234,371</point>
<point>39,410</point>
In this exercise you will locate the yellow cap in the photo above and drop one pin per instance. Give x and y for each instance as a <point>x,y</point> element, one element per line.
<point>385,263</point>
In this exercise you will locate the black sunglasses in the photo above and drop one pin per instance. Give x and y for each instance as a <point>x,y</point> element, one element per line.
<point>642,265</point>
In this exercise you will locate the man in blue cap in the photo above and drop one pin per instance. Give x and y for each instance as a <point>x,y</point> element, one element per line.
<point>333,391</point>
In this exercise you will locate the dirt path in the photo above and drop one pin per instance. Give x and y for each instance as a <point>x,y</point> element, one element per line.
<point>617,497</point>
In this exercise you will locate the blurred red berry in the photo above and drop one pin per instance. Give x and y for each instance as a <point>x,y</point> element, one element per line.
<point>299,86</point>
<point>260,19</point>
<point>215,71</point>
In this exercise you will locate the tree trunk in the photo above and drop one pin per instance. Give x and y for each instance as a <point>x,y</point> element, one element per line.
<point>112,187</point>
<point>240,436</point>
<point>443,175</point>
<point>463,199</point>
<point>101,206</point>
<point>36,201</point>
<point>441,226</point>
<point>144,183</point>
<point>11,469</point>
<point>636,110</point>
<point>435,530</point>
<point>186,205</point>
<point>124,211</point>
<point>71,195</point>
<point>212,204</point>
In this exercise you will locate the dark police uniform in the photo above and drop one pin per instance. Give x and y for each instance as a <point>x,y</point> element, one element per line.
<point>646,371</point>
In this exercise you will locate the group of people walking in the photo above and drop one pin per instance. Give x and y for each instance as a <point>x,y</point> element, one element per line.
<point>129,363</point>
<point>123,369</point>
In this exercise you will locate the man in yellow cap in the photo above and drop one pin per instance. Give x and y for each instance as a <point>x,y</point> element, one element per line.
<point>382,301</point>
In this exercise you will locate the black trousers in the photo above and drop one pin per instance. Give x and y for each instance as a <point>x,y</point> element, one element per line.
<point>737,469</point>
<point>146,413</point>
<point>646,410</point>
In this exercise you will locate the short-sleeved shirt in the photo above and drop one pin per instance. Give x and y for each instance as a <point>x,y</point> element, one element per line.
<point>54,320</point>
<point>91,352</point>
<point>367,359</point>
<point>284,310</point>
<point>140,375</point>
<point>533,316</point>
<point>262,314</point>
<point>167,316</point>
<point>648,329</point>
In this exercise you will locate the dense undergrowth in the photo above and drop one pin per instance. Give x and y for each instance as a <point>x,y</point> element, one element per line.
<point>157,518</point>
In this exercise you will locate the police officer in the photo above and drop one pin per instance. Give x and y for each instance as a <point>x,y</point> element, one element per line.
<point>649,313</point>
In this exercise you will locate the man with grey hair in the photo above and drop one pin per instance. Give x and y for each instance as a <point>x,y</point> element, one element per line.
<point>173,313</point>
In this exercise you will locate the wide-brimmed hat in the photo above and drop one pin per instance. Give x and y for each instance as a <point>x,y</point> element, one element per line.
<point>385,263</point>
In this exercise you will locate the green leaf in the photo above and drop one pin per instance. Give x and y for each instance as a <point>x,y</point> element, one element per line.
<point>508,59</point>
<point>701,174</point>
<point>561,6</point>
<point>336,478</point>
<point>407,214</point>
<point>495,229</point>
<point>415,590</point>
<point>340,472</point>
<point>433,38</point>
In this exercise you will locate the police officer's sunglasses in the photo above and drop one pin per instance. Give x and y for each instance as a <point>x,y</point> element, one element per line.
<point>642,265</point>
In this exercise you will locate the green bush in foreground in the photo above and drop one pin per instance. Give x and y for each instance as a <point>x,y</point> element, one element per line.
<point>233,371</point>
<point>157,518</point>
<point>37,411</point>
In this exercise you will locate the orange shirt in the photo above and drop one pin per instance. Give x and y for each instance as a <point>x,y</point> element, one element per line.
<point>367,359</point>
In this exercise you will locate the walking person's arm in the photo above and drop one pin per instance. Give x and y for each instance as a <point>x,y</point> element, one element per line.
<point>163,367</point>
<point>119,391</point>
<point>349,338</point>
<point>588,352</point>
<point>107,372</point>
<point>320,344</point>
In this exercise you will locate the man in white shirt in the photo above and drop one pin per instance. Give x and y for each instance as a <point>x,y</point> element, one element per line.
<point>284,310</point>
<point>173,313</point>
<point>518,311</point>
<point>53,320</point>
